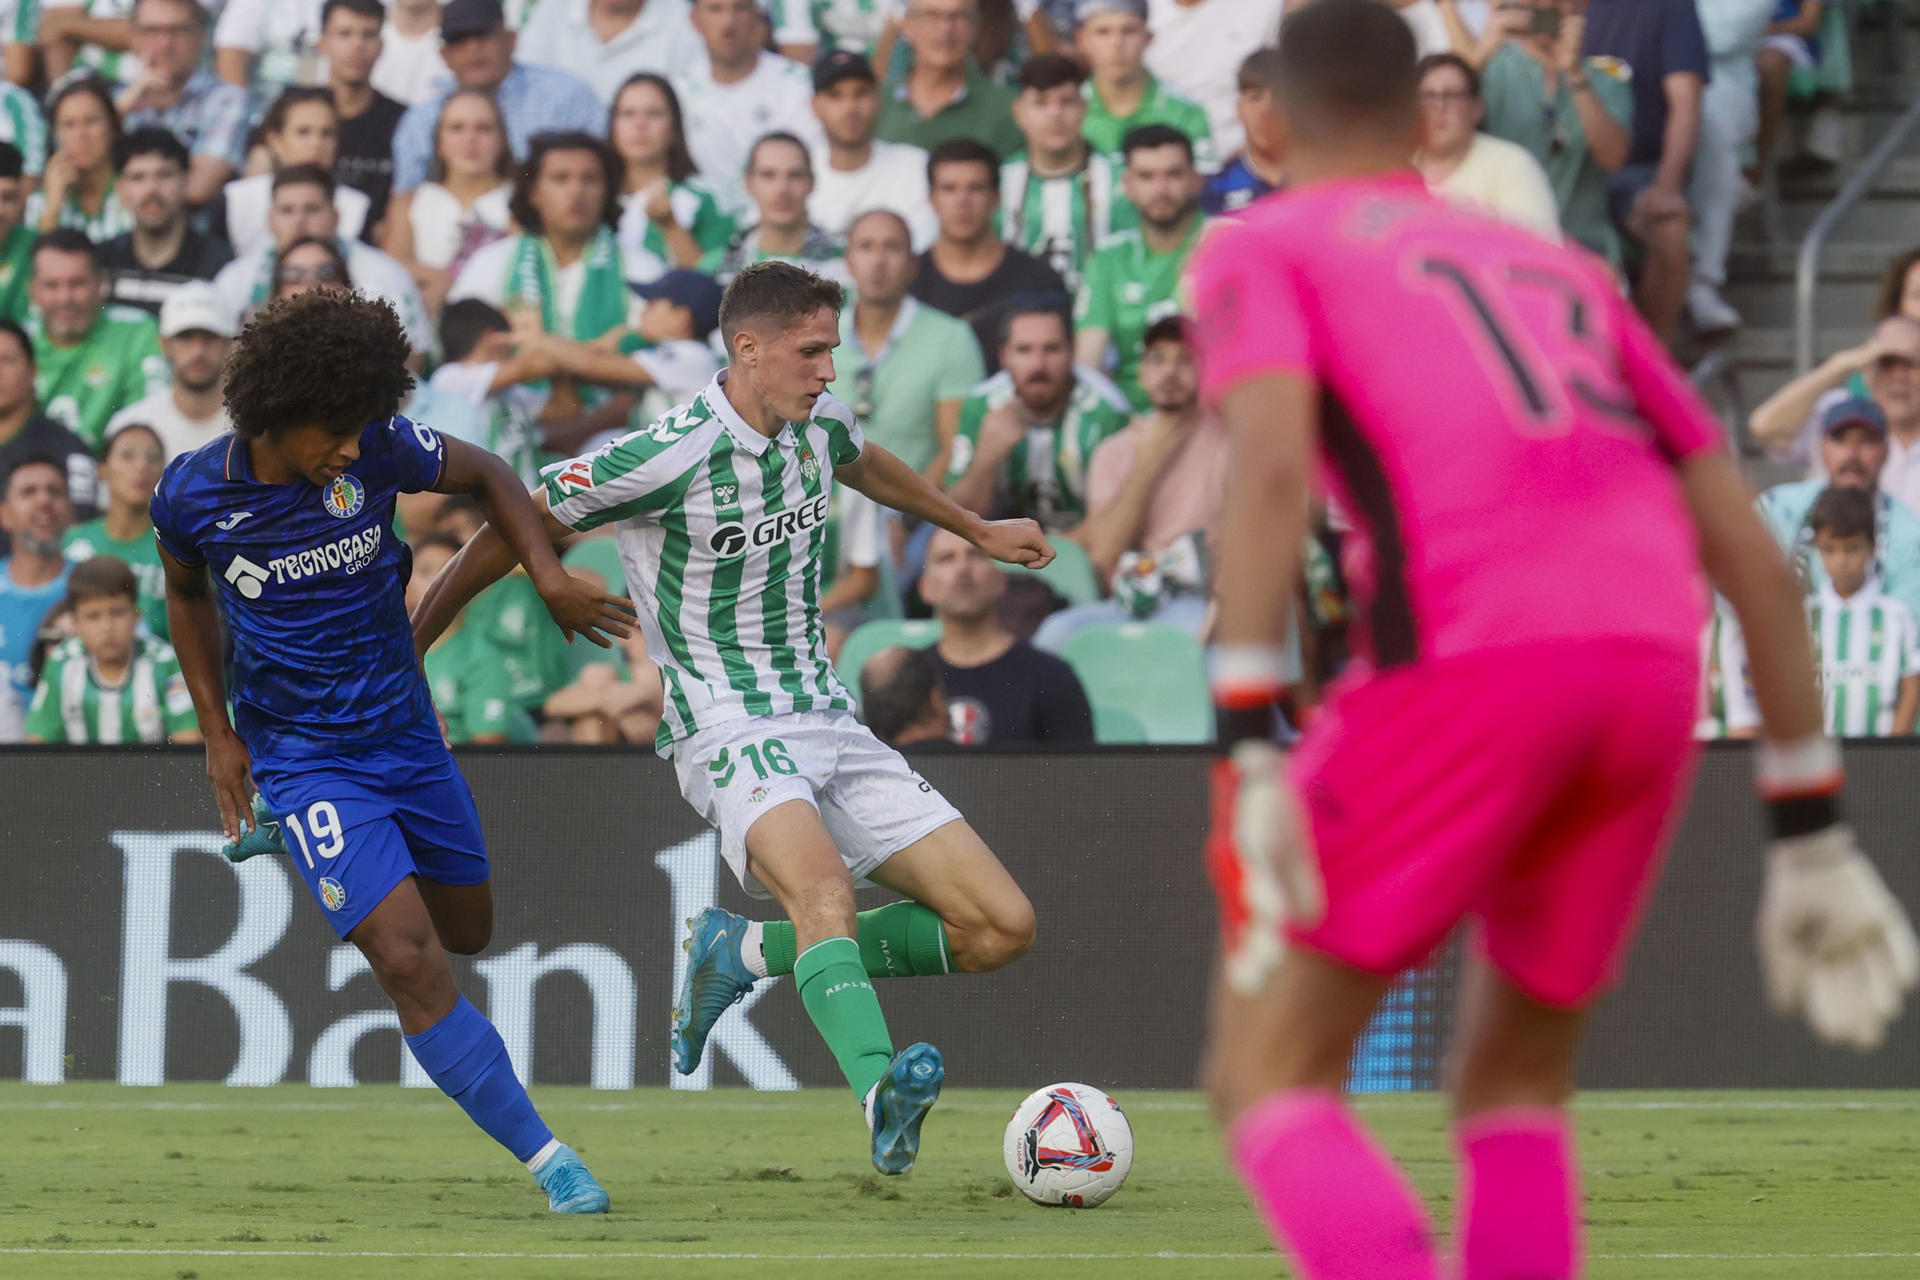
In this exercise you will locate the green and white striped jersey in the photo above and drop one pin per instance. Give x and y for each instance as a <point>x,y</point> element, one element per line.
<point>1726,685</point>
<point>72,705</point>
<point>722,534</point>
<point>1045,478</point>
<point>1063,220</point>
<point>1863,647</point>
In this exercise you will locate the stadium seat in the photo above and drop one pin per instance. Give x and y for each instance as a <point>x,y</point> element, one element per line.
<point>1113,726</point>
<point>871,637</point>
<point>1155,673</point>
<point>1070,573</point>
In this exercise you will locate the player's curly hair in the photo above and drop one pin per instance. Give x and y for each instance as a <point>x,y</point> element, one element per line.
<point>336,359</point>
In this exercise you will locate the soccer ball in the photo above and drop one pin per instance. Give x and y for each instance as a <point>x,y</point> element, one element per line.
<point>1070,1145</point>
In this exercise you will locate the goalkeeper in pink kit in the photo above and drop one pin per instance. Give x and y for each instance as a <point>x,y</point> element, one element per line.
<point>1534,491</point>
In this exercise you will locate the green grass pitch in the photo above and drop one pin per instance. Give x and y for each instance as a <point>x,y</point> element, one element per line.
<point>198,1182</point>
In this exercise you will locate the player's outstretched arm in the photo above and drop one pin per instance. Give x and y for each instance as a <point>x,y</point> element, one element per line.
<point>892,483</point>
<point>194,624</point>
<point>527,534</point>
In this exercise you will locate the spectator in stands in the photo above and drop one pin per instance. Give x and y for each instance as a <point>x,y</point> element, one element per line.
<point>1729,117</point>
<point>23,127</point>
<point>606,42</point>
<point>1028,433</point>
<point>77,189</point>
<point>88,36</point>
<point>310,263</point>
<point>16,238</point>
<point>1121,93</point>
<point>478,49</point>
<point>1866,646</point>
<point>854,171</point>
<point>1472,168</point>
<point>465,203</point>
<point>1197,49</point>
<point>1153,494</point>
<point>1792,44</point>
<point>350,44</point>
<point>1000,690</point>
<point>945,95</point>
<point>130,468</point>
<point>268,46</point>
<point>779,180</point>
<point>1899,293</point>
<point>902,699</point>
<point>904,368</point>
<point>91,358</point>
<point>809,30</point>
<point>609,701</point>
<point>471,688</point>
<point>1662,42</point>
<point>1135,279</point>
<point>1257,170</point>
<point>1059,198</point>
<point>668,209</point>
<point>970,273</point>
<point>484,392</point>
<point>739,93</point>
<point>1572,112</point>
<point>174,92</point>
<point>162,252</point>
<point>302,207</point>
<point>34,515</point>
<point>1886,369</point>
<point>197,329</point>
<point>109,684</point>
<point>26,433</point>
<point>1853,450</point>
<point>300,128</point>
<point>410,67</point>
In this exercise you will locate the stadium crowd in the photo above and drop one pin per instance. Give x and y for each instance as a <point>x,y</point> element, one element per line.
<point>553,193</point>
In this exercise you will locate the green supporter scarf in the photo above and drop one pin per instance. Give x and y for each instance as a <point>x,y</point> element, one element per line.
<point>16,265</point>
<point>603,297</point>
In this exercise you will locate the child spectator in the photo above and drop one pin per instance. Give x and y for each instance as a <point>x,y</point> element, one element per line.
<point>1792,44</point>
<point>129,471</point>
<point>1059,198</point>
<point>471,688</point>
<point>1865,644</point>
<point>109,684</point>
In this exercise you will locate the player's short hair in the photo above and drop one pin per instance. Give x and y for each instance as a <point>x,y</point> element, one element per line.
<point>1259,70</point>
<point>892,705</point>
<point>67,240</point>
<point>151,140</point>
<point>544,145</point>
<point>299,95</point>
<point>335,358</point>
<point>1050,71</point>
<point>101,578</point>
<point>778,135</point>
<point>364,8</point>
<point>299,175</point>
<point>1843,513</point>
<point>964,151</point>
<point>12,163</point>
<point>1022,305</point>
<point>1151,137</point>
<point>1434,61</point>
<point>777,291</point>
<point>464,323</point>
<point>1165,329</point>
<point>1347,66</point>
<point>15,330</point>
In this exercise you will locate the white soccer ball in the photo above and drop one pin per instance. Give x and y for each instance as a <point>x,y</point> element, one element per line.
<point>1068,1144</point>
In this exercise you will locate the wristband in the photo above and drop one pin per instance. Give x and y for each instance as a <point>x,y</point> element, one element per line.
<point>1800,782</point>
<point>1248,681</point>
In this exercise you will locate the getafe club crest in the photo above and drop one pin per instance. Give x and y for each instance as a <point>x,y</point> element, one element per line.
<point>333,895</point>
<point>344,497</point>
<point>808,466</point>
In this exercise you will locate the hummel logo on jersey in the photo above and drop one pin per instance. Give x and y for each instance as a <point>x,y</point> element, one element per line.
<point>576,476</point>
<point>233,521</point>
<point>730,540</point>
<point>724,494</point>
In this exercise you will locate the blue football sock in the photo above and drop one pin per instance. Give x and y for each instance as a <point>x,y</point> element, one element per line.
<point>468,1060</point>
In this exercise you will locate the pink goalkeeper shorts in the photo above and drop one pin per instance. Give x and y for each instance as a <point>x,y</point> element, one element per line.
<point>1532,789</point>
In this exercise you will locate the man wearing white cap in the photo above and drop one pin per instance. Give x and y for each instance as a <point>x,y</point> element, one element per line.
<point>196,331</point>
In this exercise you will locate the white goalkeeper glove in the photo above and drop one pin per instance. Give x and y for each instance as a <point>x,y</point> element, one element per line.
<point>1262,861</point>
<point>1835,945</point>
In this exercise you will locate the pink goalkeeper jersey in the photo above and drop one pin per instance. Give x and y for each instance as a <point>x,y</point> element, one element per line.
<point>1497,424</point>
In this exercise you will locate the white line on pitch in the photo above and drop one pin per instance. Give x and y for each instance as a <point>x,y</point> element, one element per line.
<point>1170,1255</point>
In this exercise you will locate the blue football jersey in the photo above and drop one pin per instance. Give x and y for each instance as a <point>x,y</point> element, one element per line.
<point>313,583</point>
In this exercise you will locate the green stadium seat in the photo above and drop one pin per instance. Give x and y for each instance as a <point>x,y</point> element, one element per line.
<point>1070,573</point>
<point>871,637</point>
<point>1114,727</point>
<point>1155,673</point>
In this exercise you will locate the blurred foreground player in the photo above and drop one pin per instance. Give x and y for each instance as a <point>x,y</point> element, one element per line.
<point>1534,490</point>
<point>290,519</point>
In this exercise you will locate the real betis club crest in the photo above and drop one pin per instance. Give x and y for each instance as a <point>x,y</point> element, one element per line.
<point>808,466</point>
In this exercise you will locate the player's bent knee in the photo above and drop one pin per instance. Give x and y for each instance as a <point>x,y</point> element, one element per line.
<point>1004,936</point>
<point>467,941</point>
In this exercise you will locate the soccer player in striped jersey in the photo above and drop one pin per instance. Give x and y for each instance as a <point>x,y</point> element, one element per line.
<point>720,507</point>
<point>109,684</point>
<point>1865,644</point>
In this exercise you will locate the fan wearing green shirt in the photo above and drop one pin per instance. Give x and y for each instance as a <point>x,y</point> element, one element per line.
<point>92,359</point>
<point>130,469</point>
<point>16,238</point>
<point>945,94</point>
<point>1121,94</point>
<point>1060,199</point>
<point>109,684</point>
<point>1135,280</point>
<point>471,688</point>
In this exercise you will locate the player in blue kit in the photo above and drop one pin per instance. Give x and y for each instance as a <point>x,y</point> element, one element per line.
<point>289,520</point>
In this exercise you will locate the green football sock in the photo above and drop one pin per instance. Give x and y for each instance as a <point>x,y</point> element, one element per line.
<point>840,1000</point>
<point>899,940</point>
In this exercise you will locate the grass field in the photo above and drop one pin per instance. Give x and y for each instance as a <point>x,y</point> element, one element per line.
<point>198,1182</point>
